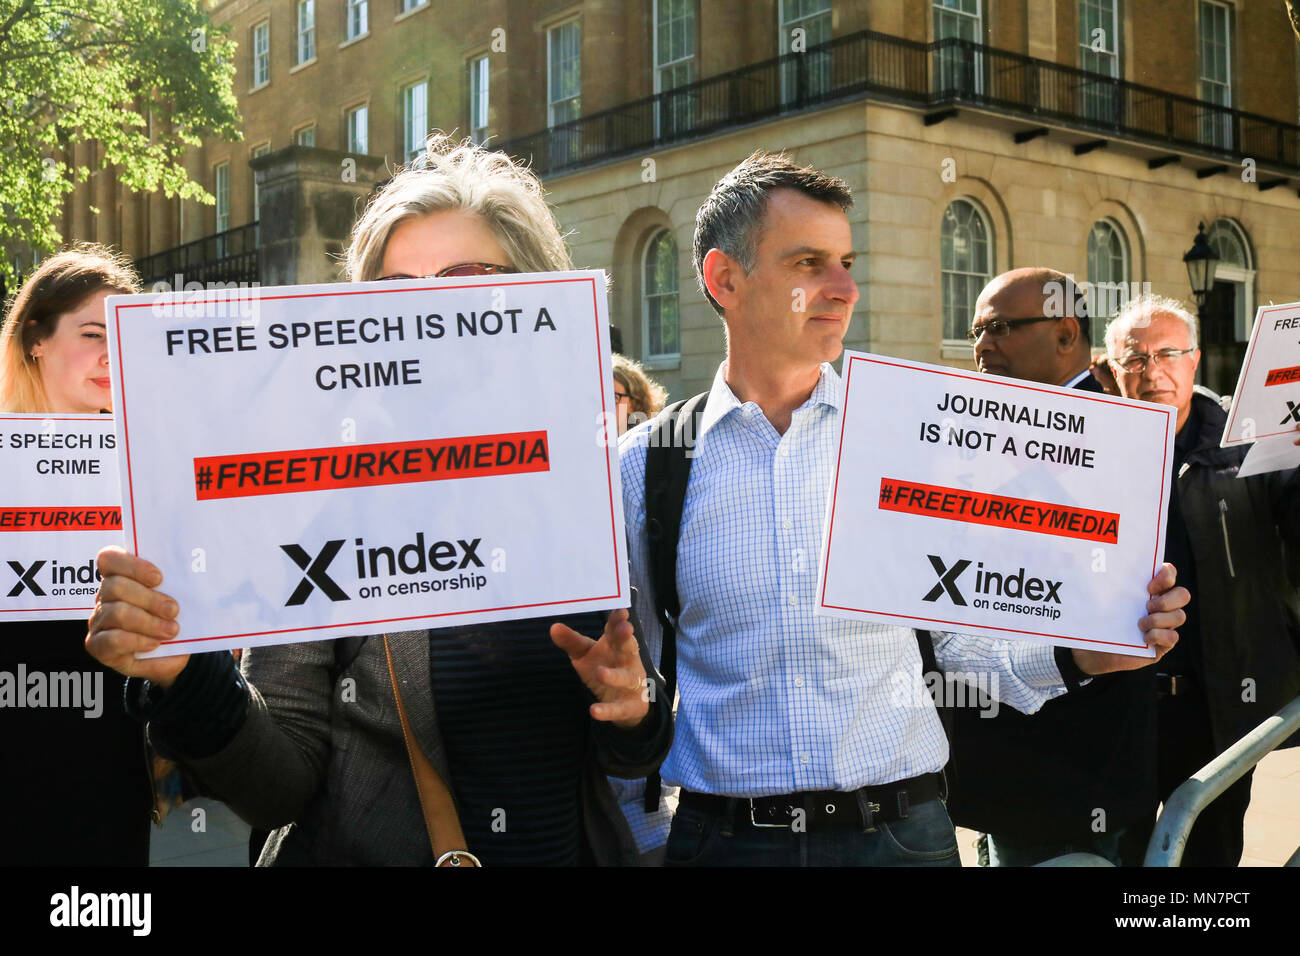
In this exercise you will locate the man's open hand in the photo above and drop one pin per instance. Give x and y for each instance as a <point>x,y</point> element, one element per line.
<point>611,669</point>
<point>1164,614</point>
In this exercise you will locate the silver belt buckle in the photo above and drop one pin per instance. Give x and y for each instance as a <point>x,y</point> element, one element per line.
<point>766,826</point>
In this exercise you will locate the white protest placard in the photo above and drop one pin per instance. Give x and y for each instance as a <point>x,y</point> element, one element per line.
<point>1266,402</point>
<point>59,504</point>
<point>990,506</point>
<point>315,461</point>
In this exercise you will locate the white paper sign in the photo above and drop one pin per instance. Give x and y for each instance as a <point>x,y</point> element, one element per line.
<point>989,506</point>
<point>316,461</point>
<point>59,504</point>
<point>1267,399</point>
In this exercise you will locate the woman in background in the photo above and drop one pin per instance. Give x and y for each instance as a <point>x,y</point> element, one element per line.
<point>77,787</point>
<point>638,397</point>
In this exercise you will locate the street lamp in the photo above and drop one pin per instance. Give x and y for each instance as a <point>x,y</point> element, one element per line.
<point>1200,260</point>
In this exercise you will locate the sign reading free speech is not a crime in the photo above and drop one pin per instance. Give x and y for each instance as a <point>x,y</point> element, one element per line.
<point>989,506</point>
<point>59,504</point>
<point>317,461</point>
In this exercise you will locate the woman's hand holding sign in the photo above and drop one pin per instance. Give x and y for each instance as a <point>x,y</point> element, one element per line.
<point>1164,614</point>
<point>611,668</point>
<point>132,617</point>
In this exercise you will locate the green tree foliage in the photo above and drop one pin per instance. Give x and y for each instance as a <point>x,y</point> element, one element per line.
<point>143,79</point>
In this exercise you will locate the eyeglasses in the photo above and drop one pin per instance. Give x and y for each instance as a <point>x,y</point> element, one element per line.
<point>1136,362</point>
<point>621,396</point>
<point>459,269</point>
<point>1000,328</point>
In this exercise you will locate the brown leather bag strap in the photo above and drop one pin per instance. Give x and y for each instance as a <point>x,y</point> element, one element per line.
<point>440,818</point>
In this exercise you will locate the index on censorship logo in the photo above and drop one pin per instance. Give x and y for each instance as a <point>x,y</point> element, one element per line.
<point>382,564</point>
<point>997,590</point>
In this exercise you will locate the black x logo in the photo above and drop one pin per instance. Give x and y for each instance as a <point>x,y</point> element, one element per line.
<point>1292,413</point>
<point>947,580</point>
<point>26,578</point>
<point>315,572</point>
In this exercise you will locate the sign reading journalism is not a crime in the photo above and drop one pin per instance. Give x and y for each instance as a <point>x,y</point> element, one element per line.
<point>59,504</point>
<point>989,506</point>
<point>314,461</point>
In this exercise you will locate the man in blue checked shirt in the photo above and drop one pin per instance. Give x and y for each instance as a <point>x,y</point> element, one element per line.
<point>793,745</point>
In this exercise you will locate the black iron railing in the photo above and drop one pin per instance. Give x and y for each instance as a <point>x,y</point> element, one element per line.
<point>226,257</point>
<point>927,76</point>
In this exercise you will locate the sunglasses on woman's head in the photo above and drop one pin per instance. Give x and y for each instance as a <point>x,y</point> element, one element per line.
<point>460,269</point>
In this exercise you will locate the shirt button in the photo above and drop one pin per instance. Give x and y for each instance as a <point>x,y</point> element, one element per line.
<point>798,682</point>
<point>784,450</point>
<point>787,524</point>
<point>792,601</point>
<point>804,758</point>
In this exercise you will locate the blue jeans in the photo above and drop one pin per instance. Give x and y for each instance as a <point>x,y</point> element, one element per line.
<point>925,838</point>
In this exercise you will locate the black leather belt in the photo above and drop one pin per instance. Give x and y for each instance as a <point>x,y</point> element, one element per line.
<point>863,808</point>
<point>1171,685</point>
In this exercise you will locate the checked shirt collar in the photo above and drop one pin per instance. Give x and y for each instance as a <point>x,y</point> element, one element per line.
<point>722,401</point>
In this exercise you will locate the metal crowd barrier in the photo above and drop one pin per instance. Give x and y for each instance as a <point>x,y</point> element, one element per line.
<point>1194,795</point>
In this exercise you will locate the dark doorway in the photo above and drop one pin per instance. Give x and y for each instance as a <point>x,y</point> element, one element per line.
<point>1221,353</point>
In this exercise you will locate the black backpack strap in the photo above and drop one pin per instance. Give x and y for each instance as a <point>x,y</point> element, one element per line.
<point>930,665</point>
<point>667,472</point>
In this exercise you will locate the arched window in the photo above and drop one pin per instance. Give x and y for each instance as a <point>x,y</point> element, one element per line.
<point>1235,268</point>
<point>661,330</point>
<point>966,264</point>
<point>1107,276</point>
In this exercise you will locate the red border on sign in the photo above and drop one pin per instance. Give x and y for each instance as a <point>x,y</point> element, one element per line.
<point>1241,381</point>
<point>609,479</point>
<point>1089,396</point>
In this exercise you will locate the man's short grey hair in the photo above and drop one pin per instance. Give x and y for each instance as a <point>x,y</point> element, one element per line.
<point>1139,312</point>
<point>730,219</point>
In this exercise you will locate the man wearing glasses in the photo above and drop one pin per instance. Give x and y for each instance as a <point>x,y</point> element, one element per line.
<point>1237,660</point>
<point>1079,775</point>
<point>1033,324</point>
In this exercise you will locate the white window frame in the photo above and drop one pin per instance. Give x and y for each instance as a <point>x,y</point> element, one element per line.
<point>1243,277</point>
<point>305,38</point>
<point>409,6</point>
<point>656,360</point>
<point>551,102</point>
<point>358,117</point>
<point>681,108</point>
<point>413,140</point>
<point>1100,99</point>
<point>308,132</point>
<point>822,66</point>
<point>1097,321</point>
<point>937,10</point>
<point>480,78</point>
<point>261,54</point>
<point>992,264</point>
<point>221,191</point>
<point>1216,127</point>
<point>356,13</point>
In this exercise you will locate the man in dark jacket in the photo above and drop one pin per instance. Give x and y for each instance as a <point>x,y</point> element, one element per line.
<point>1236,662</point>
<point>1075,775</point>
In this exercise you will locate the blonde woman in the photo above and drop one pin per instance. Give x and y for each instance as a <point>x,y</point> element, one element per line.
<point>76,791</point>
<point>520,726</point>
